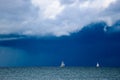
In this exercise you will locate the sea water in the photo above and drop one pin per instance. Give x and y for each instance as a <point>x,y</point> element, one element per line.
<point>56,73</point>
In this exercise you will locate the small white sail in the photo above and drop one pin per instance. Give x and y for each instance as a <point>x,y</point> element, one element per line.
<point>62,64</point>
<point>97,65</point>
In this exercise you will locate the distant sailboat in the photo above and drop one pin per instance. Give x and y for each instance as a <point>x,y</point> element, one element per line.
<point>97,65</point>
<point>62,64</point>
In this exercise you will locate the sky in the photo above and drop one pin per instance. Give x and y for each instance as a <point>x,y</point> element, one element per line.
<point>46,32</point>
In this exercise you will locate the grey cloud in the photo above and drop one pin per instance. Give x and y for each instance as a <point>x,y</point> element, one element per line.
<point>72,1</point>
<point>14,10</point>
<point>112,13</point>
<point>22,17</point>
<point>115,7</point>
<point>13,15</point>
<point>67,1</point>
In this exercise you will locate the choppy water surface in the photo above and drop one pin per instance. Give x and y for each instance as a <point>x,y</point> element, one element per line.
<point>56,73</point>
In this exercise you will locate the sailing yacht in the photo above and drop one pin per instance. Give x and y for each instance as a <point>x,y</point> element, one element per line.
<point>62,64</point>
<point>97,65</point>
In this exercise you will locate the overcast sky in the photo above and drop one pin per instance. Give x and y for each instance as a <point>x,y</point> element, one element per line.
<point>54,17</point>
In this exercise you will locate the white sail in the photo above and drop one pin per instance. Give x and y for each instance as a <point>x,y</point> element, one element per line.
<point>97,65</point>
<point>62,64</point>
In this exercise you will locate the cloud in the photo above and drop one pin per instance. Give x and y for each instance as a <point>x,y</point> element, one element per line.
<point>11,38</point>
<point>115,28</point>
<point>49,9</point>
<point>12,56</point>
<point>54,17</point>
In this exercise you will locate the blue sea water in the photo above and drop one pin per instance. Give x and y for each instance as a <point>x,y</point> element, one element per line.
<point>56,73</point>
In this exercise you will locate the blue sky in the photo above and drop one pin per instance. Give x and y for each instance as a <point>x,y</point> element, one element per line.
<point>45,32</point>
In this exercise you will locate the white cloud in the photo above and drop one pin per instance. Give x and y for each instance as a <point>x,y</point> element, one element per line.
<point>54,17</point>
<point>49,8</point>
<point>96,4</point>
<point>11,38</point>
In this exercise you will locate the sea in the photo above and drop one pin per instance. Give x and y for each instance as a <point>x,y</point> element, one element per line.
<point>57,73</point>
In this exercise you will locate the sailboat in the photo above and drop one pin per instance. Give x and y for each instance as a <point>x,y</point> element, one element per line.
<point>62,64</point>
<point>97,65</point>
